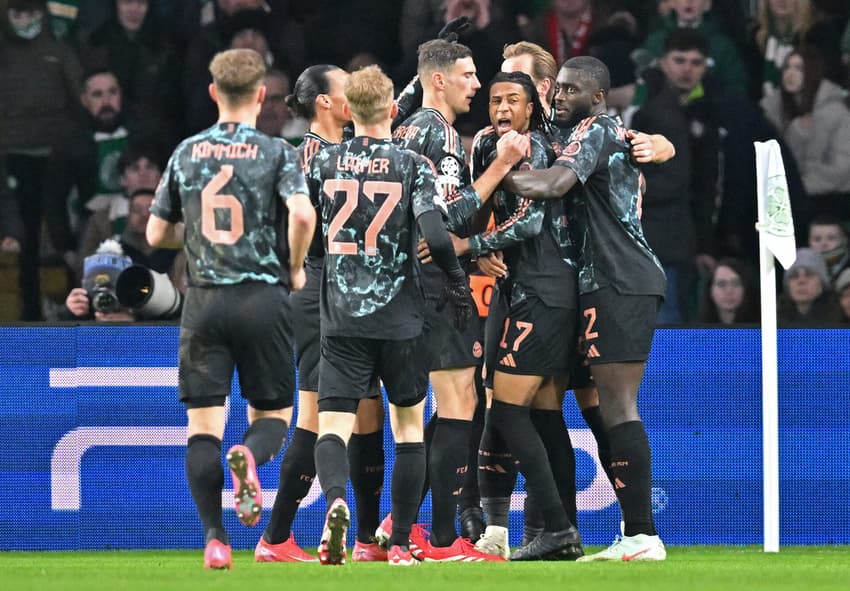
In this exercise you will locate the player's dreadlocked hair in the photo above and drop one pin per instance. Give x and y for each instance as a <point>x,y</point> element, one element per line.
<point>538,120</point>
<point>591,68</point>
<point>311,83</point>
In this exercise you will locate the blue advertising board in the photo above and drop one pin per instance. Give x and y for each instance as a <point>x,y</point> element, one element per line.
<point>93,442</point>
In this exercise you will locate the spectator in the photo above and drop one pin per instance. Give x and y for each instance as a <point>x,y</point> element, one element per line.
<point>730,296</point>
<point>215,37</point>
<point>679,203</point>
<point>810,113</point>
<point>11,226</point>
<point>566,26</point>
<point>39,93</point>
<point>135,246</point>
<point>275,118</point>
<point>807,300</point>
<point>365,26</point>
<point>613,45</point>
<point>842,288</point>
<point>132,45</point>
<point>139,167</point>
<point>96,299</point>
<point>486,35</point>
<point>87,163</point>
<point>828,237</point>
<point>784,24</point>
<point>250,29</point>
<point>725,64</point>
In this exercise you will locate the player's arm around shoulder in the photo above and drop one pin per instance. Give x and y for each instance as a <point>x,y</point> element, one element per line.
<point>654,148</point>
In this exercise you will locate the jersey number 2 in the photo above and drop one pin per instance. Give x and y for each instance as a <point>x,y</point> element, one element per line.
<point>211,200</point>
<point>351,188</point>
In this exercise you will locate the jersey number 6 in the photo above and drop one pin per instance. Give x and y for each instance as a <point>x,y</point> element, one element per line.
<point>351,188</point>
<point>212,200</point>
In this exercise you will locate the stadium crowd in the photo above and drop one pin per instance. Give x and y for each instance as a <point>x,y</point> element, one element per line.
<point>84,81</point>
<point>647,129</point>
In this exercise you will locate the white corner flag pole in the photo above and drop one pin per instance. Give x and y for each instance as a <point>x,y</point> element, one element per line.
<point>776,239</point>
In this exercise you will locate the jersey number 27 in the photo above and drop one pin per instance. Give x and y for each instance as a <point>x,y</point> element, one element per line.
<point>352,189</point>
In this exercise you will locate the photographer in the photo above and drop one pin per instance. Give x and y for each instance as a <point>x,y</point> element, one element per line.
<point>97,299</point>
<point>133,245</point>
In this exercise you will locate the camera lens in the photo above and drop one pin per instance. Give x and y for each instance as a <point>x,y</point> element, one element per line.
<point>104,301</point>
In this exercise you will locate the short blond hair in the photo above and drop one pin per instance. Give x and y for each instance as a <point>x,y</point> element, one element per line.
<point>237,73</point>
<point>369,93</point>
<point>543,63</point>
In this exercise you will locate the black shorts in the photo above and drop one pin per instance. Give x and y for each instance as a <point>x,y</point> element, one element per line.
<point>493,329</point>
<point>349,365</point>
<point>246,326</point>
<point>446,346</point>
<point>306,327</point>
<point>617,327</point>
<point>580,376</point>
<point>536,339</point>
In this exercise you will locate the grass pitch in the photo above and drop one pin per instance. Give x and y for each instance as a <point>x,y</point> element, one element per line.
<point>686,568</point>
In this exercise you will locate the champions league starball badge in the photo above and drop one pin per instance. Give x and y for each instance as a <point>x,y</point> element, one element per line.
<point>449,166</point>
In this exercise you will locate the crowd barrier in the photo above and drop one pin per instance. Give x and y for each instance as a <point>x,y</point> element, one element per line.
<point>93,442</point>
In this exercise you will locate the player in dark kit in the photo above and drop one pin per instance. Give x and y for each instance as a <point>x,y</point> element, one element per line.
<point>248,220</point>
<point>532,348</point>
<point>447,74</point>
<point>620,284</point>
<point>546,411</point>
<point>373,196</point>
<point>318,97</point>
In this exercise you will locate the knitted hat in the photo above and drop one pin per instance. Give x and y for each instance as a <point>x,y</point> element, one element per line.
<point>810,260</point>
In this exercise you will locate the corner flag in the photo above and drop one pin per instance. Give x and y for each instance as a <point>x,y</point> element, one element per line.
<point>776,239</point>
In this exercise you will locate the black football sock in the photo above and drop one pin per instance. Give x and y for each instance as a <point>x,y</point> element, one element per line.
<point>532,520</point>
<point>366,458</point>
<point>447,467</point>
<point>593,418</point>
<point>631,467</point>
<point>205,474</point>
<point>265,438</point>
<point>297,471</point>
<point>408,475</point>
<point>430,427</point>
<point>514,425</point>
<point>496,475</point>
<point>332,466</point>
<point>470,494</point>
<point>556,439</point>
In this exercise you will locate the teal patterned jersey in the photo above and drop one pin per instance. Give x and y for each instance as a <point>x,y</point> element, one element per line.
<point>533,235</point>
<point>427,132</point>
<point>613,250</point>
<point>308,148</point>
<point>372,193</point>
<point>229,185</point>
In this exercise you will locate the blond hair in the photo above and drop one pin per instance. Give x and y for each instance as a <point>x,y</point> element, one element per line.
<point>801,21</point>
<point>543,63</point>
<point>237,73</point>
<point>369,93</point>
